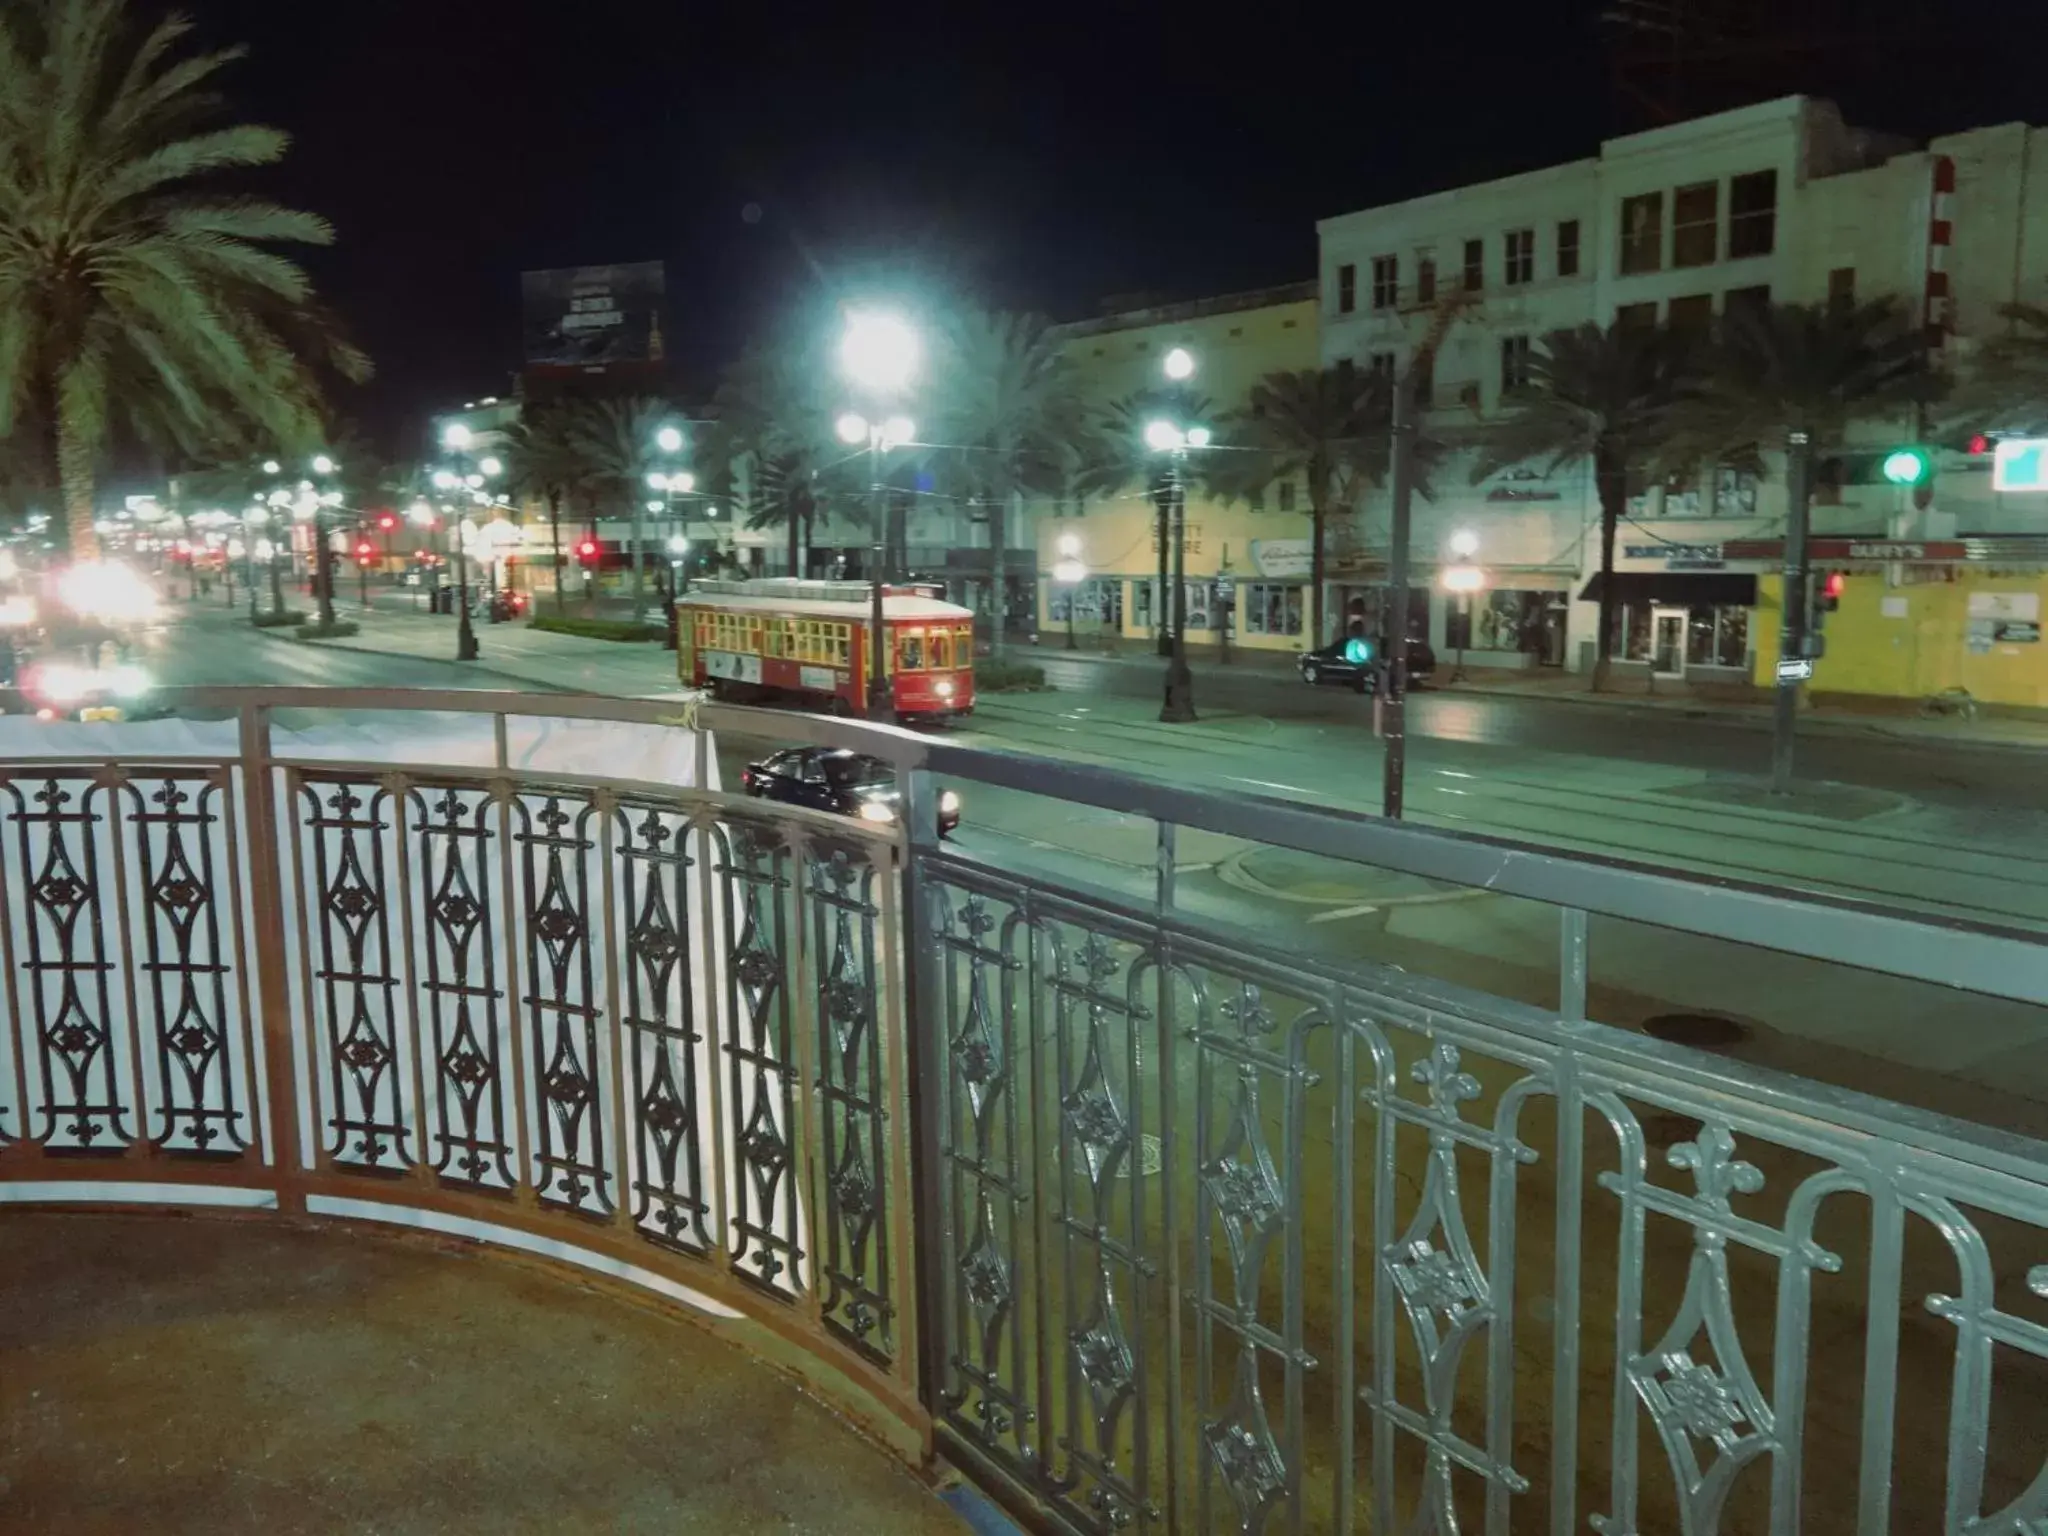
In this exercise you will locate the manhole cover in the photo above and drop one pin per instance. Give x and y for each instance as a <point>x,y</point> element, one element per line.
<point>1702,1031</point>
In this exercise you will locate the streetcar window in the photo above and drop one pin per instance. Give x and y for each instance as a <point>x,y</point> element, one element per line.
<point>911,646</point>
<point>963,646</point>
<point>942,651</point>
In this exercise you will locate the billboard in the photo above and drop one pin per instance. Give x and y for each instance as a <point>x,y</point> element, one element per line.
<point>592,317</point>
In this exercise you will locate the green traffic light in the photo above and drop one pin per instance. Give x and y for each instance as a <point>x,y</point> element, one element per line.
<point>1906,466</point>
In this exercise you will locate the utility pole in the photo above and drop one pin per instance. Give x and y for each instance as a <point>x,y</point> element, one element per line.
<point>1394,653</point>
<point>1793,661</point>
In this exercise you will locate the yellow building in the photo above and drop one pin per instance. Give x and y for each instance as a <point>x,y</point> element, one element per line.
<point>1939,628</point>
<point>1247,567</point>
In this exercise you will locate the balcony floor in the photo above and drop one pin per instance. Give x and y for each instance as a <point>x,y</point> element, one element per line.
<point>182,1375</point>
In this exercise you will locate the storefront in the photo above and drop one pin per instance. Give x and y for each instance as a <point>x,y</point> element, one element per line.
<point>1926,619</point>
<point>1246,574</point>
<point>1692,626</point>
<point>1516,620</point>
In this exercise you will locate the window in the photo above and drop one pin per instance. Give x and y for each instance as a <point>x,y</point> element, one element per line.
<point>1269,608</point>
<point>1738,301</point>
<point>941,643</point>
<point>1518,258</point>
<point>1752,214</point>
<point>1509,620</point>
<point>1514,365</point>
<point>1386,281</point>
<point>1425,279</point>
<point>1347,288</point>
<point>1255,498</point>
<point>1423,372</point>
<point>1734,492</point>
<point>1642,233</point>
<point>1286,495</point>
<point>1717,636</point>
<point>1381,363</point>
<point>910,651</point>
<point>1691,316</point>
<point>1842,288</point>
<point>1695,224</point>
<point>1636,317</point>
<point>1568,248</point>
<point>1475,265</point>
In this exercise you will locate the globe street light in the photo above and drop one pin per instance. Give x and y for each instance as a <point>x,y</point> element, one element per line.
<point>1069,573</point>
<point>464,481</point>
<point>1462,580</point>
<point>879,354</point>
<point>671,483</point>
<point>669,440</point>
<point>323,553</point>
<point>1175,439</point>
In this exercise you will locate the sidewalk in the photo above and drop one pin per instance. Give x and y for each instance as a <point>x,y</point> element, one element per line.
<point>1569,689</point>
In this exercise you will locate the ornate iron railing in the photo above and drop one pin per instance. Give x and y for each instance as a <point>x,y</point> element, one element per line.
<point>1159,1221</point>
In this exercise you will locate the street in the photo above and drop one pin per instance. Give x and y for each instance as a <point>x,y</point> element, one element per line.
<point>1940,826</point>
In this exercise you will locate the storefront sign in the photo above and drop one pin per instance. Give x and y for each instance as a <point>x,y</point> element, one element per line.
<point>2005,605</point>
<point>2015,632</point>
<point>1282,559</point>
<point>1818,550</point>
<point>1678,557</point>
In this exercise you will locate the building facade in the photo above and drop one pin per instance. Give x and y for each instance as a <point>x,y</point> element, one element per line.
<point>1246,564</point>
<point>1778,201</point>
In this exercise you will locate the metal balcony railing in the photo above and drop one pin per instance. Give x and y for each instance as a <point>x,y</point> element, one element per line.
<point>1154,1221</point>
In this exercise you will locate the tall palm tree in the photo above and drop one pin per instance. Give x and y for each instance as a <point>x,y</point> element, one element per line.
<point>1012,406</point>
<point>2008,387</point>
<point>544,459</point>
<point>1812,368</point>
<point>1613,396</point>
<point>615,441</point>
<point>773,415</point>
<point>135,298</point>
<point>1328,428</point>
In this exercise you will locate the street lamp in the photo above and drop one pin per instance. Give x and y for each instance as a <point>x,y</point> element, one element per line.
<point>1462,580</point>
<point>465,484</point>
<point>1175,439</point>
<point>671,483</point>
<point>879,354</point>
<point>323,555</point>
<point>1069,573</point>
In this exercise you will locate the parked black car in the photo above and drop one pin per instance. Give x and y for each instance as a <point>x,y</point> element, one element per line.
<point>839,780</point>
<point>1354,662</point>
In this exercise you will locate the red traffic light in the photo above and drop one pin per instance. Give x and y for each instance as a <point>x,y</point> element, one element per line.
<point>386,522</point>
<point>363,551</point>
<point>587,551</point>
<point>1979,443</point>
<point>1833,583</point>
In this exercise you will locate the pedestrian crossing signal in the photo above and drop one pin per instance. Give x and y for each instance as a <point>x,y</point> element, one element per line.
<point>1358,650</point>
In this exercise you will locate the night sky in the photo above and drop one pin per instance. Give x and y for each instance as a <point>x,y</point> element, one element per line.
<point>1044,157</point>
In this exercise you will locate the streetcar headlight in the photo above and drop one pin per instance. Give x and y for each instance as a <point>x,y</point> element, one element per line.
<point>944,688</point>
<point>949,803</point>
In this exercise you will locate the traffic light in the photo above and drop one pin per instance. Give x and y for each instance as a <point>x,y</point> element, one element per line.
<point>386,522</point>
<point>1908,465</point>
<point>587,552</point>
<point>1829,597</point>
<point>364,552</point>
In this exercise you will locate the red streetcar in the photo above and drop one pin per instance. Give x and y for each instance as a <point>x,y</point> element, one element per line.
<point>808,640</point>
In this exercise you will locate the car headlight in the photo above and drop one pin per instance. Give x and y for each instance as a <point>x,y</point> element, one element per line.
<point>949,803</point>
<point>128,681</point>
<point>944,689</point>
<point>877,811</point>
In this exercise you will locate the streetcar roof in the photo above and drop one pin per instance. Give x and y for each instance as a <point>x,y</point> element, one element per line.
<point>893,606</point>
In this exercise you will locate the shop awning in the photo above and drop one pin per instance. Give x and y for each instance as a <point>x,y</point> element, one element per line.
<point>1679,589</point>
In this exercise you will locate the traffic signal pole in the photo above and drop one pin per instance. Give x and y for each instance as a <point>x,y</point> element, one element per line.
<point>1794,618</point>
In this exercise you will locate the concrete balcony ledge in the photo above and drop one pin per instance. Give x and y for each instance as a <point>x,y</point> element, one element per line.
<point>164,1374</point>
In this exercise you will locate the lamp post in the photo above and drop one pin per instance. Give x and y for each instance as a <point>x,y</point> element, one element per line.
<point>1069,573</point>
<point>466,484</point>
<point>671,484</point>
<point>324,496</point>
<point>1462,580</point>
<point>1175,440</point>
<point>879,354</point>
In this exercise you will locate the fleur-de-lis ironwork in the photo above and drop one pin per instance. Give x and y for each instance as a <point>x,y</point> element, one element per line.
<point>1448,1086</point>
<point>1717,1172</point>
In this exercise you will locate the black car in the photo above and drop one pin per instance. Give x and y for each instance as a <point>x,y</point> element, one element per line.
<point>836,779</point>
<point>1354,662</point>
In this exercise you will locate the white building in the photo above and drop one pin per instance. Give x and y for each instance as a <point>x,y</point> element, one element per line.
<point>1776,201</point>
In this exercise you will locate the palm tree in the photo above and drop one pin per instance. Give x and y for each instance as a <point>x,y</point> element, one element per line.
<point>2008,387</point>
<point>1013,405</point>
<point>133,297</point>
<point>545,459</point>
<point>772,414</point>
<point>1112,456</point>
<point>1812,368</point>
<point>1328,428</point>
<point>615,442</point>
<point>1612,396</point>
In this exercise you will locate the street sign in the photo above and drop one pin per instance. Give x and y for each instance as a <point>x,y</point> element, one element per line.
<point>1795,670</point>
<point>2020,464</point>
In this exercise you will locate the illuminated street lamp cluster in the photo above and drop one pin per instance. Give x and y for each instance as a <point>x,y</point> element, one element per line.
<point>880,355</point>
<point>1176,438</point>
